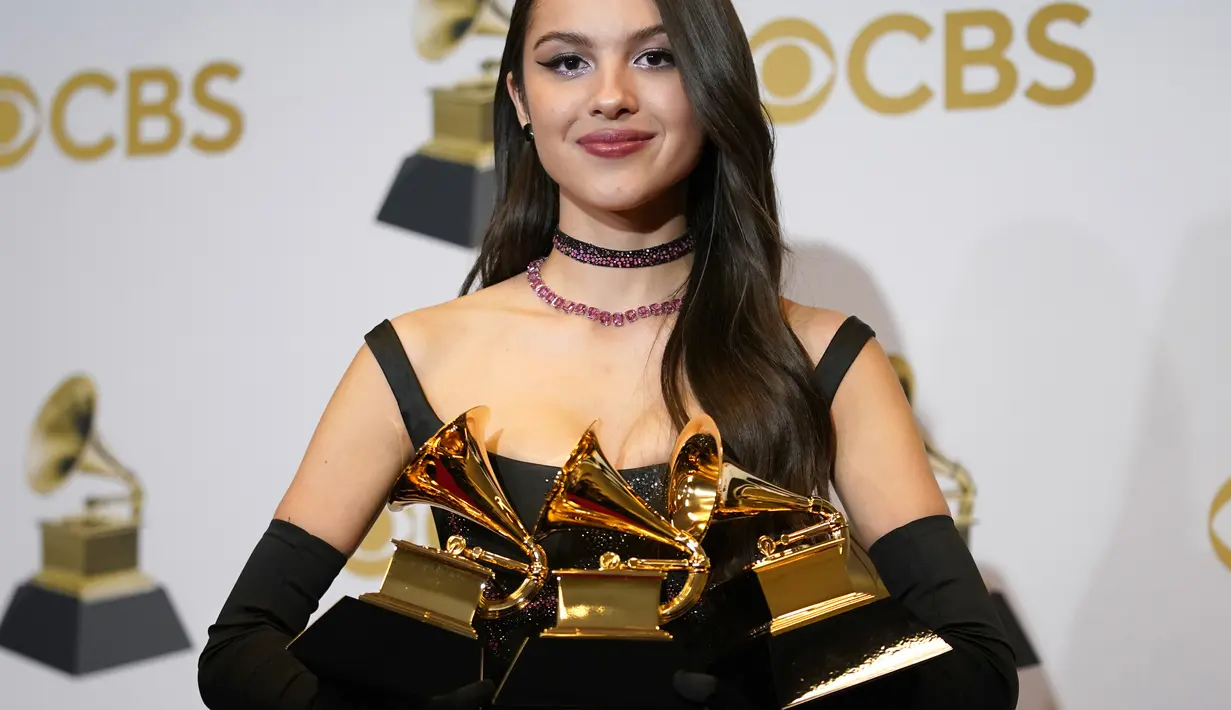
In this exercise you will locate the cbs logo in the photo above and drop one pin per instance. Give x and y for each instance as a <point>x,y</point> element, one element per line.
<point>789,52</point>
<point>151,96</point>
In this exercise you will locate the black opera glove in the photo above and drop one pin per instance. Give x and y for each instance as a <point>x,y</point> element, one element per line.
<point>927,566</point>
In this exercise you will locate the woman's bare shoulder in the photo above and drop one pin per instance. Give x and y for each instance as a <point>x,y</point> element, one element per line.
<point>430,332</point>
<point>814,327</point>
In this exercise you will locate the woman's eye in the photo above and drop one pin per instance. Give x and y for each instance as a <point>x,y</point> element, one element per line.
<point>565,63</point>
<point>657,59</point>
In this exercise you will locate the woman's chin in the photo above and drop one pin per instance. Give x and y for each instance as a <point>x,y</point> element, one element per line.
<point>614,199</point>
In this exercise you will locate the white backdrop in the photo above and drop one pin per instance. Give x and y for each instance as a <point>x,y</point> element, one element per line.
<point>1054,273</point>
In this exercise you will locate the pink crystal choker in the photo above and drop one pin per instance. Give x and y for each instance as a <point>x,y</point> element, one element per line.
<point>622,259</point>
<point>617,319</point>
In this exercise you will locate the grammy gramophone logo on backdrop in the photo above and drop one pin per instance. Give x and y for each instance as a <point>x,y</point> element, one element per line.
<point>90,606</point>
<point>446,190</point>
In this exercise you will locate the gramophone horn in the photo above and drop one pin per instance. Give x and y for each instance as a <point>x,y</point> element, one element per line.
<point>590,492</point>
<point>703,487</point>
<point>692,480</point>
<point>441,25</point>
<point>451,470</point>
<point>64,440</point>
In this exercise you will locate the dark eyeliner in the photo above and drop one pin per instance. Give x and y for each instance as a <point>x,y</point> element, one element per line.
<point>557,60</point>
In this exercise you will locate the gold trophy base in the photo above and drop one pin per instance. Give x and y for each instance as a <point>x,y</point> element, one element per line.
<point>812,583</point>
<point>89,545</point>
<point>96,587</point>
<point>462,124</point>
<point>432,586</point>
<point>91,558</point>
<point>609,604</point>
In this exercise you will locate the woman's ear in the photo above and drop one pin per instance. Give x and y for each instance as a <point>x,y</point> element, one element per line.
<point>523,116</point>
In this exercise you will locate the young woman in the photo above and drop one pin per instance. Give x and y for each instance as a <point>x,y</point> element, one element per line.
<point>631,274</point>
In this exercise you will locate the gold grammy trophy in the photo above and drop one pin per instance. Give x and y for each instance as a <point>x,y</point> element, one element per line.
<point>620,599</point>
<point>809,583</point>
<point>90,606</point>
<point>422,616</point>
<point>609,617</point>
<point>452,471</point>
<point>446,190</point>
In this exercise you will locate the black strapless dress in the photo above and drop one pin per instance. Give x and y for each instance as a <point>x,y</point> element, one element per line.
<point>925,564</point>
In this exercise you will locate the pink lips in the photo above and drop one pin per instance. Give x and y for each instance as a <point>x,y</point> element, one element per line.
<point>615,143</point>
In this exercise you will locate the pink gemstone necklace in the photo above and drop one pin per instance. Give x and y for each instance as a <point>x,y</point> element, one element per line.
<point>617,319</point>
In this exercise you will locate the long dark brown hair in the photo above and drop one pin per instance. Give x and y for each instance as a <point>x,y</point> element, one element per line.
<point>731,343</point>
